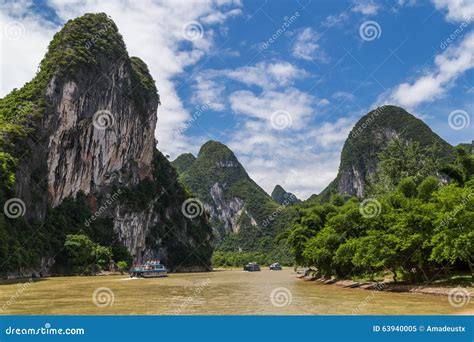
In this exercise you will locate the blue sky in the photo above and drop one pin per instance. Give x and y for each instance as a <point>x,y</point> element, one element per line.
<point>281,82</point>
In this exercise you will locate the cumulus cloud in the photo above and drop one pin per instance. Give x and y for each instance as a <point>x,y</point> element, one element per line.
<point>152,30</point>
<point>303,163</point>
<point>366,7</point>
<point>448,66</point>
<point>306,46</point>
<point>298,104</point>
<point>458,10</point>
<point>209,84</point>
<point>265,74</point>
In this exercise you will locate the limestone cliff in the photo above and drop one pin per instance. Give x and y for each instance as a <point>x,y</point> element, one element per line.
<point>370,135</point>
<point>85,124</point>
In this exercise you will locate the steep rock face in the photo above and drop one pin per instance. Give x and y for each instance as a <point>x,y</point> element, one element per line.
<point>243,216</point>
<point>370,135</point>
<point>83,156</point>
<point>227,211</point>
<point>89,129</point>
<point>216,177</point>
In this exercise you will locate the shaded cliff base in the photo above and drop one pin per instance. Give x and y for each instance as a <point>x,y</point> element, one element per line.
<point>436,289</point>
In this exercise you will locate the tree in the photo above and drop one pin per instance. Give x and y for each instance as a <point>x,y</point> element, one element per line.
<point>427,187</point>
<point>407,187</point>
<point>79,250</point>
<point>102,256</point>
<point>453,237</point>
<point>122,266</point>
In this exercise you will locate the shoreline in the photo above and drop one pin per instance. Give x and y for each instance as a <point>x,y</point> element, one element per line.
<point>388,286</point>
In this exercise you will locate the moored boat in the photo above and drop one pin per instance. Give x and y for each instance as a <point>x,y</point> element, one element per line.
<point>151,269</point>
<point>252,267</point>
<point>275,267</point>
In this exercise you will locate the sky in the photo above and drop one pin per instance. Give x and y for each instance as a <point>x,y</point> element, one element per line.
<point>280,82</point>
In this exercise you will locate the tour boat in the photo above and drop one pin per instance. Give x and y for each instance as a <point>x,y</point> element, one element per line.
<point>275,267</point>
<point>151,269</point>
<point>252,267</point>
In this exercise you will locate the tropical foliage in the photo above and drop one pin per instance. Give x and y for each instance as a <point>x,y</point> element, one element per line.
<point>418,228</point>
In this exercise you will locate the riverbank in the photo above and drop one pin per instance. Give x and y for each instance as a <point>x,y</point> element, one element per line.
<point>392,287</point>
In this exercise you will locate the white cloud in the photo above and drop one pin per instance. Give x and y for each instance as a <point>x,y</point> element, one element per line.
<point>298,104</point>
<point>152,31</point>
<point>335,20</point>
<point>449,65</point>
<point>265,75</point>
<point>323,102</point>
<point>458,10</point>
<point>303,163</point>
<point>366,7</point>
<point>23,41</point>
<point>219,17</point>
<point>306,47</point>
<point>210,84</point>
<point>343,95</point>
<point>207,91</point>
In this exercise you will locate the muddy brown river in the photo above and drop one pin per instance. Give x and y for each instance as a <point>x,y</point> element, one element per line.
<point>215,293</point>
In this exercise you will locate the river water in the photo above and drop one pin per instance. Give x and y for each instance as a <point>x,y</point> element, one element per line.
<point>214,293</point>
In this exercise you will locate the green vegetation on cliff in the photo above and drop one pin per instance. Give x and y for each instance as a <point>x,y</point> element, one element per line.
<point>419,230</point>
<point>260,220</point>
<point>370,136</point>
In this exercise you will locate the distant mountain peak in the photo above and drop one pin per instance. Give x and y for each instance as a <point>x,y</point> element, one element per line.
<point>369,136</point>
<point>281,196</point>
